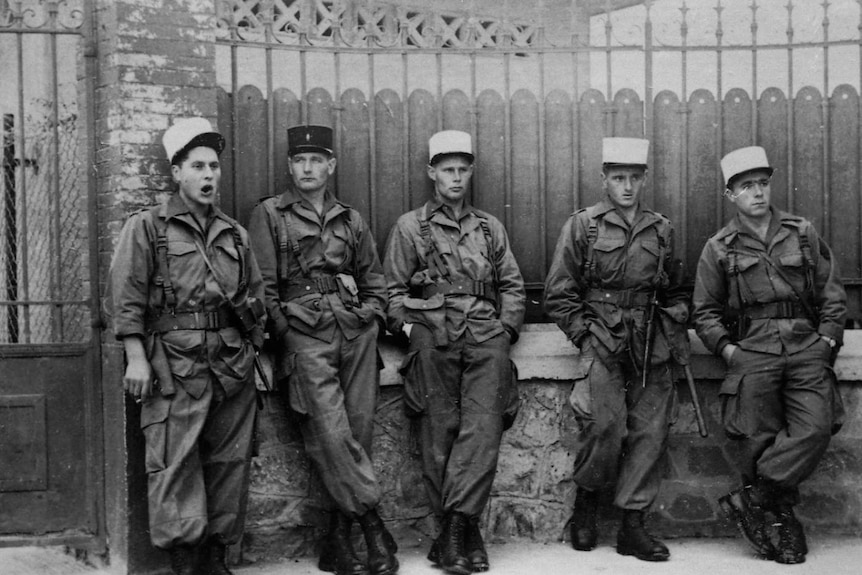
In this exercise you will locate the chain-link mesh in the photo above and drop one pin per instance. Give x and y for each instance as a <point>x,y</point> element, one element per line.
<point>43,229</point>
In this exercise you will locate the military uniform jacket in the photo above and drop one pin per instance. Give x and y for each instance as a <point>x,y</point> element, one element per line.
<point>637,258</point>
<point>138,294</point>
<point>337,242</point>
<point>758,284</point>
<point>468,256</point>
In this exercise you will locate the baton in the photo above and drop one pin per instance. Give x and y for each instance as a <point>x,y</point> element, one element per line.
<point>701,424</point>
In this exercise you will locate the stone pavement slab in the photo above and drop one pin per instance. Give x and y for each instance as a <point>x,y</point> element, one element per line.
<point>828,556</point>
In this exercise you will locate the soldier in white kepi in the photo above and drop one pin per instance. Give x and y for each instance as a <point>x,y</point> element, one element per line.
<point>455,291</point>
<point>615,288</point>
<point>768,299</point>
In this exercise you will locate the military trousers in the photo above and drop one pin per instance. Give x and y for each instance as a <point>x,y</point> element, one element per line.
<point>198,461</point>
<point>333,388</point>
<point>457,395</point>
<point>782,408</point>
<point>623,426</point>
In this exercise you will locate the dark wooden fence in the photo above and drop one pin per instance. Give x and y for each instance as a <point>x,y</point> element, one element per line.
<point>539,160</point>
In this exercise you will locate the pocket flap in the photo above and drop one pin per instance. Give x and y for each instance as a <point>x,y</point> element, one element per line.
<point>154,411</point>
<point>791,260</point>
<point>730,385</point>
<point>609,244</point>
<point>178,248</point>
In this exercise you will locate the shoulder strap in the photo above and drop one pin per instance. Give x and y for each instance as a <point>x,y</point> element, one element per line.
<point>163,275</point>
<point>286,246</point>
<point>662,279</point>
<point>589,264</point>
<point>436,265</point>
<point>492,253</point>
<point>807,257</point>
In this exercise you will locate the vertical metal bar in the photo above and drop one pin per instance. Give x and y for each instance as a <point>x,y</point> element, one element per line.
<point>610,109</point>
<point>825,130</point>
<point>754,94</point>
<point>10,219</point>
<point>648,88</point>
<point>24,283</point>
<point>507,131</point>
<point>405,112</point>
<point>791,188</point>
<point>719,39</point>
<point>269,17</point>
<point>372,132</point>
<point>859,150</point>
<point>543,164</point>
<point>54,205</point>
<point>576,108</point>
<point>234,109</point>
<point>337,40</point>
<point>684,110</point>
<point>474,105</point>
<point>305,22</point>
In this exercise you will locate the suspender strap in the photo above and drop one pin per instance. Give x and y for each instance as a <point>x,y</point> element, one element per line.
<point>436,266</point>
<point>485,290</point>
<point>805,246</point>
<point>242,284</point>
<point>287,245</point>
<point>202,320</point>
<point>622,298</point>
<point>590,262</point>
<point>661,279</point>
<point>163,275</point>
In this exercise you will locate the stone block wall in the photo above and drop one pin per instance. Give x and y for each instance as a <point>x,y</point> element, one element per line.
<point>533,491</point>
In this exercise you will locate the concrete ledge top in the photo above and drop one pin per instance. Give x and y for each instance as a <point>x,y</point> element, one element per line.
<point>543,352</point>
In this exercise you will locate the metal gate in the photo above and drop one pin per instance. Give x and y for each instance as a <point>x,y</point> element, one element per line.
<point>50,419</point>
<point>538,84</point>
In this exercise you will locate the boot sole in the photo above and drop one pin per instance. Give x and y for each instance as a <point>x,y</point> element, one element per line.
<point>734,515</point>
<point>641,556</point>
<point>456,569</point>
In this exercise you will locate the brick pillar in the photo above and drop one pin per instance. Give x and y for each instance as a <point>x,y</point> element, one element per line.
<point>155,63</point>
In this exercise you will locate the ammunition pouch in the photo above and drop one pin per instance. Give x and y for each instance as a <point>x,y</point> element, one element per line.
<point>248,313</point>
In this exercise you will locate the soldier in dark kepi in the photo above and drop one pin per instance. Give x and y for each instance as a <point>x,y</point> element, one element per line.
<point>615,288</point>
<point>769,300</point>
<point>456,292</point>
<point>187,305</point>
<point>326,298</point>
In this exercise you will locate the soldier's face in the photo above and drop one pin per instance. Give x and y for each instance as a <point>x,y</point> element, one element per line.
<point>198,177</point>
<point>623,185</point>
<point>451,177</point>
<point>751,193</point>
<point>311,170</point>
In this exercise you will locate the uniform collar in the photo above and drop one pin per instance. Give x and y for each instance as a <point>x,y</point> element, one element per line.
<point>643,218</point>
<point>291,197</point>
<point>433,206</point>
<point>176,207</point>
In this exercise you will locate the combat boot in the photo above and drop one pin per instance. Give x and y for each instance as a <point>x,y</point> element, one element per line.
<point>474,547</point>
<point>380,543</point>
<point>582,526</point>
<point>792,546</point>
<point>337,554</point>
<point>183,560</point>
<point>633,539</point>
<point>213,560</point>
<point>451,554</point>
<point>745,508</point>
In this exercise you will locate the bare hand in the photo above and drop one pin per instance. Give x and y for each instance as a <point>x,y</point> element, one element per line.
<point>138,379</point>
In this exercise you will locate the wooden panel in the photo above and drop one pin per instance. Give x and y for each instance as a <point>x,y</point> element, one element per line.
<point>526,219</point>
<point>227,194</point>
<point>390,175</point>
<point>667,145</point>
<point>320,112</point>
<point>844,210</point>
<point>353,153</point>
<point>591,131</point>
<point>559,184</point>
<point>287,114</point>
<point>704,190</point>
<point>629,117</point>
<point>772,135</point>
<point>23,445</point>
<point>456,111</point>
<point>44,395</point>
<point>422,113</point>
<point>489,183</point>
<point>735,134</point>
<point>250,151</point>
<point>808,155</point>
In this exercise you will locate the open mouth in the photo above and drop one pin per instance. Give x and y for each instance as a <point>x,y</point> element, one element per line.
<point>207,188</point>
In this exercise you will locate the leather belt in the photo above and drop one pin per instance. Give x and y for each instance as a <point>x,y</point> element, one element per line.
<point>320,284</point>
<point>775,310</point>
<point>206,320</point>
<point>465,287</point>
<point>622,298</point>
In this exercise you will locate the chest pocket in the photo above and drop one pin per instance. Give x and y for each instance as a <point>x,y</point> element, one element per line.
<point>609,254</point>
<point>791,260</point>
<point>339,248</point>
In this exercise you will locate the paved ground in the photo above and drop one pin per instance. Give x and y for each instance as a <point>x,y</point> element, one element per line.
<point>828,556</point>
